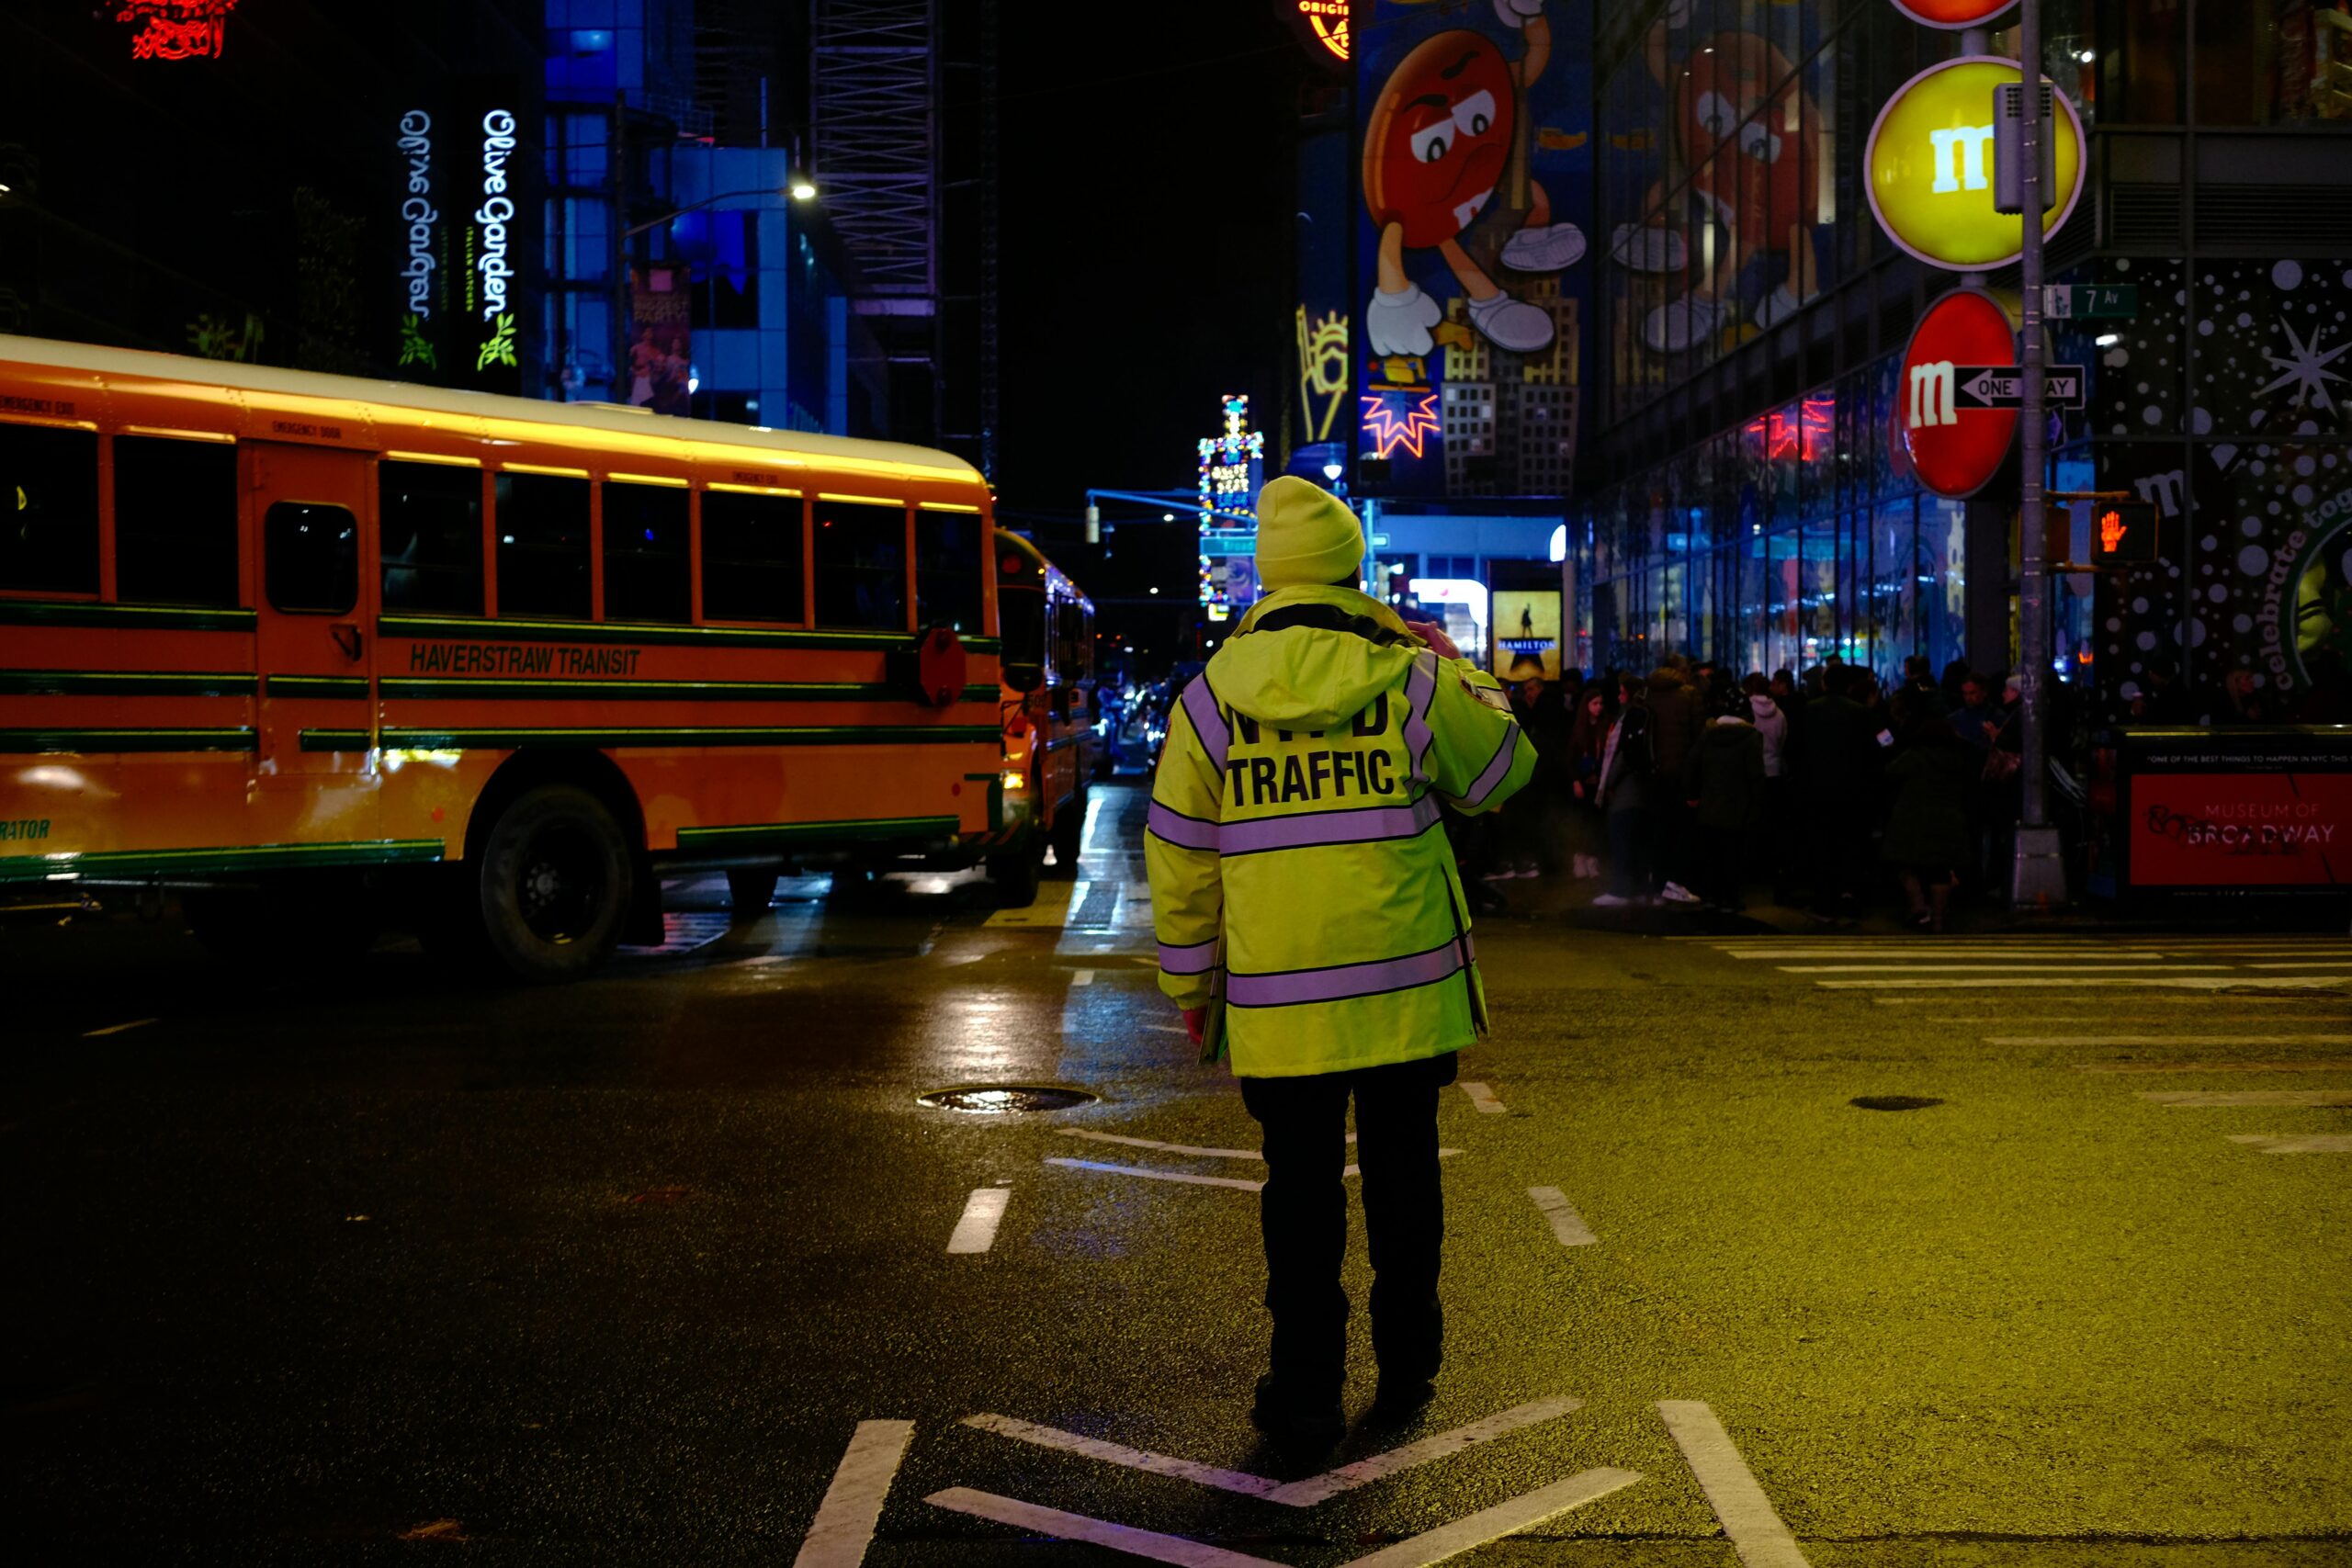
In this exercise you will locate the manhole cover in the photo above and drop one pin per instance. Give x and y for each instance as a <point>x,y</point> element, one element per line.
<point>1003,1099</point>
<point>1893,1103</point>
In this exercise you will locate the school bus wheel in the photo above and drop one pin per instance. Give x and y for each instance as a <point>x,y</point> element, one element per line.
<point>556,882</point>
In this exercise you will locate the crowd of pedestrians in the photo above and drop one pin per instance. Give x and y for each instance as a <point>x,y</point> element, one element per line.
<point>1829,790</point>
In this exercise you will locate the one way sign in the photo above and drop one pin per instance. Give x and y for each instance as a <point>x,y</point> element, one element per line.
<point>2003,386</point>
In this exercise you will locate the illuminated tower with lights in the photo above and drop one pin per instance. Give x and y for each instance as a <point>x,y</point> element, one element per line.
<point>1233,464</point>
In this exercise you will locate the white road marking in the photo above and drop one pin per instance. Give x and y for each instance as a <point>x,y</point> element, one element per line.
<point>116,1028</point>
<point>1740,1506</point>
<point>1330,1483</point>
<point>1482,1098</point>
<point>1567,1224</point>
<point>1151,1174</point>
<point>2336,1065</point>
<point>2102,1006</point>
<point>2297,1143</point>
<point>1119,1453</point>
<point>1082,978</point>
<point>2154,982</point>
<point>1164,1149</point>
<point>853,1504</point>
<point>2168,1040</point>
<point>1990,968</point>
<point>2311,1099</point>
<point>975,1232</point>
<point>1040,1520</point>
<point>1763,953</point>
<point>1302,1494</point>
<point>1502,1519</point>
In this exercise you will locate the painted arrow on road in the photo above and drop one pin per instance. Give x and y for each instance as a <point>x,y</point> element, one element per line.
<point>1430,1546</point>
<point>1302,1493</point>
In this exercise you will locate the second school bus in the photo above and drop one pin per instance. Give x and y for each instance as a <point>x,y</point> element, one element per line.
<point>285,640</point>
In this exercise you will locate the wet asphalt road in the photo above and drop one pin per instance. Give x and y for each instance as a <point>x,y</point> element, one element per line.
<point>388,1264</point>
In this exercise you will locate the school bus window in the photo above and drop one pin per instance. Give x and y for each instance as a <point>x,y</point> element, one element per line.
<point>175,522</point>
<point>542,521</point>
<point>948,562</point>
<point>310,558</point>
<point>750,557</point>
<point>49,509</point>
<point>646,576</point>
<point>861,566</point>
<point>430,515</point>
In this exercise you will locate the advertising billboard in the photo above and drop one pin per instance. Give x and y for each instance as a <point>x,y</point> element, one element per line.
<point>2248,811</point>
<point>1475,180</point>
<point>465,237</point>
<point>1527,633</point>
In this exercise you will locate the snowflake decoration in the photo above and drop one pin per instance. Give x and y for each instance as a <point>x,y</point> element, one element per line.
<point>2306,368</point>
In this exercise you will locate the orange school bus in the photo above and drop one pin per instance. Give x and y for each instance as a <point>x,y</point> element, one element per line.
<point>1050,743</point>
<point>292,641</point>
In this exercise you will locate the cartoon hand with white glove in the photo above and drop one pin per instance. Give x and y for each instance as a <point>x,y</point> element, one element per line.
<point>1515,14</point>
<point>1399,321</point>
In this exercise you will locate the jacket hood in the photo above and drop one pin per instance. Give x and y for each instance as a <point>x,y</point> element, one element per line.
<point>1763,706</point>
<point>1308,678</point>
<point>1726,722</point>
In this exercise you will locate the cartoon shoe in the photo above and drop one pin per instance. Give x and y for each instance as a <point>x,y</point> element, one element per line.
<point>1512,323</point>
<point>1400,322</point>
<point>1645,247</point>
<point>1675,326</point>
<point>1547,249</point>
<point>1778,307</point>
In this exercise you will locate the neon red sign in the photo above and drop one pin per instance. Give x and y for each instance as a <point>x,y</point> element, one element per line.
<point>177,29</point>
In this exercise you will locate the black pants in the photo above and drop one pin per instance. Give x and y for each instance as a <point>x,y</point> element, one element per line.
<point>1304,1213</point>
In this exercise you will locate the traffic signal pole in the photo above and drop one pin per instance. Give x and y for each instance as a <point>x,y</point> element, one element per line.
<point>2037,873</point>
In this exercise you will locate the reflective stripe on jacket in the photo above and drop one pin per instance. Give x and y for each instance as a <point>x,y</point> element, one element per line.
<point>1296,814</point>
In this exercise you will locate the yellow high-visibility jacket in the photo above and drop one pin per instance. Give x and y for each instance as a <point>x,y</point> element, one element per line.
<point>1295,815</point>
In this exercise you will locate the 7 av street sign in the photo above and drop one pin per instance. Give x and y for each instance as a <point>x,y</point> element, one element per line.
<point>2003,386</point>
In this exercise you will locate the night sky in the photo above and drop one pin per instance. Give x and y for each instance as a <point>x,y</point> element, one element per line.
<point>1144,181</point>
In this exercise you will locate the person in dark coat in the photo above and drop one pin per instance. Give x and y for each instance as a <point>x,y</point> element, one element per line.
<point>1838,763</point>
<point>1724,783</point>
<point>1624,790</point>
<point>1928,838</point>
<point>1532,821</point>
<point>1677,718</point>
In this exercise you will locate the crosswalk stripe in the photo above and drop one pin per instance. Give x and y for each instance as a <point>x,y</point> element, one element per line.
<point>2200,1099</point>
<point>2296,1143</point>
<point>2151,982</point>
<point>2326,1066</point>
<point>1769,955</point>
<point>2168,1040</point>
<point>1991,968</point>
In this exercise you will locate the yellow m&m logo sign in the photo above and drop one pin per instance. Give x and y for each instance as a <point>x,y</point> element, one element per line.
<point>1930,167</point>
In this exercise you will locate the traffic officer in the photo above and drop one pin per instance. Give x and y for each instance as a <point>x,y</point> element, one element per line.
<point>1300,875</point>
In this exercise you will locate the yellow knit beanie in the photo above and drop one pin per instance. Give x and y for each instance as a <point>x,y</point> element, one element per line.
<point>1306,534</point>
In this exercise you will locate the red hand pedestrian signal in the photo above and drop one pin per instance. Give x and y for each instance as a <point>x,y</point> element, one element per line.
<point>2110,532</point>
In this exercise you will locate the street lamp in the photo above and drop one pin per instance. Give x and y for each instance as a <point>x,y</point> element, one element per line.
<point>798,190</point>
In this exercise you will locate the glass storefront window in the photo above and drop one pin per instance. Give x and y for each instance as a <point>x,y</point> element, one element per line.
<point>2270,61</point>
